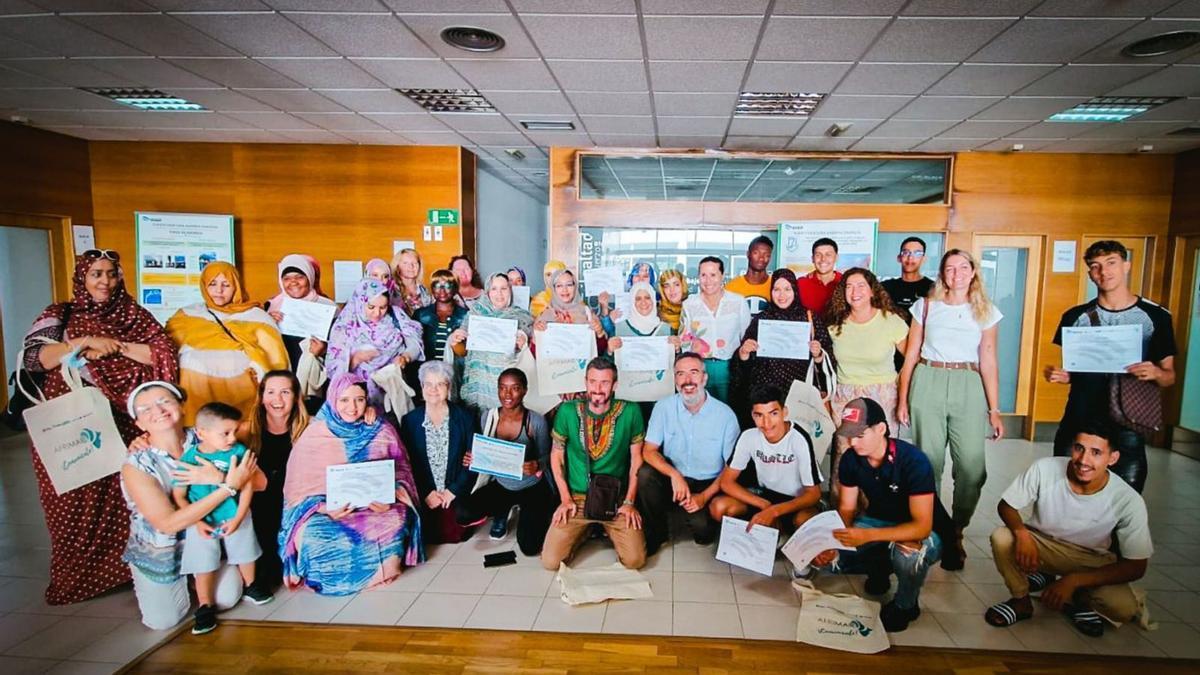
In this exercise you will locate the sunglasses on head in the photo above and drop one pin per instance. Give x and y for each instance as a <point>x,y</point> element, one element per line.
<point>106,253</point>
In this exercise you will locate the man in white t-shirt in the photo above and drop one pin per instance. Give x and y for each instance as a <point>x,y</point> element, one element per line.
<point>789,481</point>
<point>1078,511</point>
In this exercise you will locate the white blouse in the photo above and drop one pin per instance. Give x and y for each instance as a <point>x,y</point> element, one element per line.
<point>951,332</point>
<point>715,334</point>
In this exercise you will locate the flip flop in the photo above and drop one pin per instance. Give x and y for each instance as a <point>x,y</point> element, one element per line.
<point>1038,581</point>
<point>1003,614</point>
<point>1087,622</point>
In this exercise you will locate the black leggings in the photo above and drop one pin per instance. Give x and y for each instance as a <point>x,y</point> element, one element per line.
<point>1132,466</point>
<point>495,500</point>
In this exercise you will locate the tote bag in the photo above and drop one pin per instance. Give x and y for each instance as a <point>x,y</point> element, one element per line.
<point>808,408</point>
<point>838,621</point>
<point>75,435</point>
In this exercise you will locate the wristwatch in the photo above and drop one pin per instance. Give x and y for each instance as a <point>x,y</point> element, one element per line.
<point>228,488</point>
<point>627,502</point>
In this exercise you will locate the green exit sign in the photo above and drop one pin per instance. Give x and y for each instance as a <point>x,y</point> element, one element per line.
<point>443,216</point>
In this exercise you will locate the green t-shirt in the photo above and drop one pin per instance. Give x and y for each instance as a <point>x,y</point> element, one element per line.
<point>607,436</point>
<point>227,510</point>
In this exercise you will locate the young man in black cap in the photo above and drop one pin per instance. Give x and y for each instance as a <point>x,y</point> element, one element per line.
<point>896,532</point>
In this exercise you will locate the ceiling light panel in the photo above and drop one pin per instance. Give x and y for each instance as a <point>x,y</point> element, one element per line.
<point>1109,108</point>
<point>776,104</point>
<point>466,101</point>
<point>148,99</point>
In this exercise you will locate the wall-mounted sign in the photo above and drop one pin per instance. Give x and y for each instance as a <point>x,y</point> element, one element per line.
<point>855,239</point>
<point>443,217</point>
<point>172,250</point>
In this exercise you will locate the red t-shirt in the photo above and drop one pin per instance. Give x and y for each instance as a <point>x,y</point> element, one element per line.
<point>814,295</point>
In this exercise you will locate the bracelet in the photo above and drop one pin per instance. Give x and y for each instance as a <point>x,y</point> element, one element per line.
<point>627,502</point>
<point>228,488</point>
<point>993,410</point>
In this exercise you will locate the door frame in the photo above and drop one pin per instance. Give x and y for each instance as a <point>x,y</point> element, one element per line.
<point>1184,251</point>
<point>62,267</point>
<point>1031,316</point>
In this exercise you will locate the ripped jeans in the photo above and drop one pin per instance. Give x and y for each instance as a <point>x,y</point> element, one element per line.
<point>886,557</point>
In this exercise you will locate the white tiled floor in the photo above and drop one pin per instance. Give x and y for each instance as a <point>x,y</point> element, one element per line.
<point>693,593</point>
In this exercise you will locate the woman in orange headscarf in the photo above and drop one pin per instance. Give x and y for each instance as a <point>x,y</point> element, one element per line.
<point>226,343</point>
<point>540,302</point>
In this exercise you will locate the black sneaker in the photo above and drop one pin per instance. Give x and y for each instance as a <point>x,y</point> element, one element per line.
<point>499,528</point>
<point>895,619</point>
<point>206,620</point>
<point>877,584</point>
<point>257,594</point>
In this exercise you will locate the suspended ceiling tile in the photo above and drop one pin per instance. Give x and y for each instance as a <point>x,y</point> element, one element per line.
<point>1088,145</point>
<point>949,144</point>
<point>340,121</point>
<point>674,103</point>
<point>529,102</point>
<point>1013,8</point>
<point>795,76</point>
<point>363,34</point>
<point>404,122</point>
<point>677,141</point>
<point>978,129</point>
<point>859,107</point>
<point>155,73</point>
<point>12,76</point>
<point>1133,129</point>
<point>552,138</point>
<point>429,28</point>
<point>505,74</point>
<point>926,40</point>
<point>1056,130</point>
<point>697,76</point>
<point>988,79</point>
<point>93,133</point>
<point>413,73</point>
<point>235,73</point>
<point>651,7</point>
<point>1032,109</point>
<point>575,7</point>
<point>222,100</point>
<point>489,137</point>
<point>208,5</point>
<point>756,142</point>
<point>274,121</point>
<point>701,38</point>
<point>73,72</point>
<point>1050,40</point>
<point>323,72</point>
<point>294,100</point>
<point>624,140</point>
<point>1110,51</point>
<point>585,37</point>
<point>766,126</point>
<point>818,39</point>
<point>822,143</point>
<point>434,137</point>
<point>1185,9</point>
<point>610,103</point>
<point>1176,80</point>
<point>312,136</point>
<point>945,107</point>
<point>911,128</point>
<point>619,124</point>
<point>258,34</point>
<point>448,6</point>
<point>374,137</point>
<point>327,5</point>
<point>1100,8</point>
<point>19,7</point>
<point>873,144</point>
<point>467,123</point>
<point>157,34</point>
<point>1006,145</point>
<point>692,126</point>
<point>1085,80</point>
<point>56,36</point>
<point>837,7</point>
<point>892,78</point>
<point>1184,109</point>
<point>593,76</point>
<point>372,100</point>
<point>858,127</point>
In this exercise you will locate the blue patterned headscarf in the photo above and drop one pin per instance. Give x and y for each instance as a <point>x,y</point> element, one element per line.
<point>634,270</point>
<point>355,435</point>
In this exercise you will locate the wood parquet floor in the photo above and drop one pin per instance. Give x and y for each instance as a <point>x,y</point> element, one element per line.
<point>254,647</point>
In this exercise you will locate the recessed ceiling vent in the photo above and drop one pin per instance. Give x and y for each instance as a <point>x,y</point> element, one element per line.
<point>472,39</point>
<point>776,104</point>
<point>450,100</point>
<point>147,99</point>
<point>1162,44</point>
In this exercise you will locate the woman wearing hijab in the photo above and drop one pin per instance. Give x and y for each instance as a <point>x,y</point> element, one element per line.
<point>642,271</point>
<point>298,281</point>
<point>516,276</point>
<point>226,343</point>
<point>367,337</point>
<point>672,291</point>
<point>643,319</point>
<point>124,347</point>
<point>751,370</point>
<point>408,293</point>
<point>540,301</point>
<point>566,306</point>
<point>481,370</point>
<point>332,548</point>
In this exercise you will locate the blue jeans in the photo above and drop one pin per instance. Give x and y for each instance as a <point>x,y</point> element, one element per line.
<point>885,557</point>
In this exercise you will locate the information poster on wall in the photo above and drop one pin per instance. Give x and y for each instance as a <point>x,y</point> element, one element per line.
<point>855,239</point>
<point>172,250</point>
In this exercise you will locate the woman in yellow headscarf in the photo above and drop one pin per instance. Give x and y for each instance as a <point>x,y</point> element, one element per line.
<point>539,302</point>
<point>226,343</point>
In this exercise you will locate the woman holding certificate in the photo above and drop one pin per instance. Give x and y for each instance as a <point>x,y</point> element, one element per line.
<point>438,435</point>
<point>950,372</point>
<point>566,306</point>
<point>483,366</point>
<point>226,343</point>
<point>296,274</point>
<point>367,337</point>
<point>751,370</point>
<point>336,549</point>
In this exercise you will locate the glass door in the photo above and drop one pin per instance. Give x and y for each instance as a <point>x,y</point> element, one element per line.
<point>25,290</point>
<point>1189,406</point>
<point>1011,268</point>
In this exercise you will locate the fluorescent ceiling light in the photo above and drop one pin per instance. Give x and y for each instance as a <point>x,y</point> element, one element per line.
<point>1109,108</point>
<point>147,99</point>
<point>548,125</point>
<point>450,100</point>
<point>776,104</point>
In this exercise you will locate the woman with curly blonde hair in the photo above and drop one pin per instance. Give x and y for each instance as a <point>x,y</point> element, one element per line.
<point>950,369</point>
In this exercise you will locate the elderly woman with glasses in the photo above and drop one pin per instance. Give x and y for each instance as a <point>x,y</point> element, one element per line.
<point>443,317</point>
<point>437,436</point>
<point>116,345</point>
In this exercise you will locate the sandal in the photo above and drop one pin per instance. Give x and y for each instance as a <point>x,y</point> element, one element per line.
<point>1038,581</point>
<point>1087,621</point>
<point>1004,614</point>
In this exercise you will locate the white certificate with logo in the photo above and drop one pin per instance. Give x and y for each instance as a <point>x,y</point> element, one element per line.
<point>360,483</point>
<point>814,537</point>
<point>566,341</point>
<point>784,339</point>
<point>497,458</point>
<point>753,550</point>
<point>597,280</point>
<point>302,318</point>
<point>644,353</point>
<point>520,297</point>
<point>489,334</point>
<point>1101,349</point>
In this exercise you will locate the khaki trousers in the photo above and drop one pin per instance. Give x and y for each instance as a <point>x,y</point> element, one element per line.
<point>1117,603</point>
<point>562,540</point>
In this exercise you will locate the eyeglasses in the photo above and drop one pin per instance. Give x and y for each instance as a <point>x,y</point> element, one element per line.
<point>107,253</point>
<point>442,284</point>
<point>912,254</point>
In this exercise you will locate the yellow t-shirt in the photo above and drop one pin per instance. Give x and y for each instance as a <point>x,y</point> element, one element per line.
<point>757,296</point>
<point>864,350</point>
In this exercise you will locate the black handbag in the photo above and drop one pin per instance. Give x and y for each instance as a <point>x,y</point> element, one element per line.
<point>21,381</point>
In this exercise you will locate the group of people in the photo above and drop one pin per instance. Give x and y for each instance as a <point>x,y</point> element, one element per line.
<point>232,425</point>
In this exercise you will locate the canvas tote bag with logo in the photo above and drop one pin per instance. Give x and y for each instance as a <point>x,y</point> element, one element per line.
<point>837,621</point>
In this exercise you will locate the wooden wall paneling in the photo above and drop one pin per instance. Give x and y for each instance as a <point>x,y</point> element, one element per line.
<point>336,202</point>
<point>466,206</point>
<point>44,173</point>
